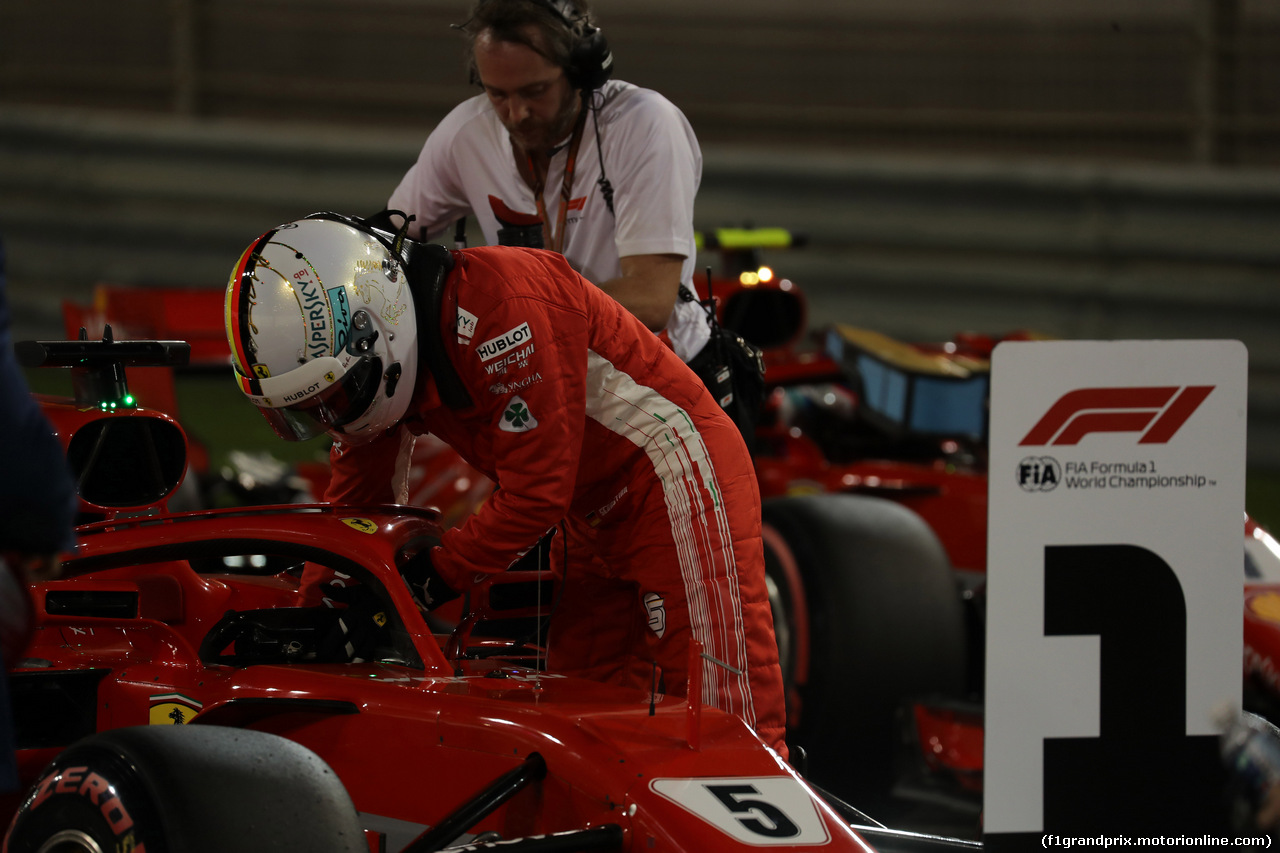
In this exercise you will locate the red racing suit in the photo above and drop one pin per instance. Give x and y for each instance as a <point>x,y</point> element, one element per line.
<point>583,416</point>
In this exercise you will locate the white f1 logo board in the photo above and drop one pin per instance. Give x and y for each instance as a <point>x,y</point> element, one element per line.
<point>1115,584</point>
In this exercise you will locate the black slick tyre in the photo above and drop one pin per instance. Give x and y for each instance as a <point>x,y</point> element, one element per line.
<point>879,622</point>
<point>186,789</point>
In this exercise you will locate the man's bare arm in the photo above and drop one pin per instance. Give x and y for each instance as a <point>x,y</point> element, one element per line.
<point>647,287</point>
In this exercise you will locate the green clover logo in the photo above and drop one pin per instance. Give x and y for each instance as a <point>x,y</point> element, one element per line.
<point>517,415</point>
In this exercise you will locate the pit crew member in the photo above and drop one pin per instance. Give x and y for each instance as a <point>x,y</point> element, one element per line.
<point>555,154</point>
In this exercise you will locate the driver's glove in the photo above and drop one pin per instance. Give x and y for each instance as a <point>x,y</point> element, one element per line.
<point>428,588</point>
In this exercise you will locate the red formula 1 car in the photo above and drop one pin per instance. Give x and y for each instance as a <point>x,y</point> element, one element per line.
<point>849,564</point>
<point>871,457</point>
<point>359,723</point>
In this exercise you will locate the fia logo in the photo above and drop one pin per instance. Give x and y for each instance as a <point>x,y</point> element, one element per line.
<point>1039,474</point>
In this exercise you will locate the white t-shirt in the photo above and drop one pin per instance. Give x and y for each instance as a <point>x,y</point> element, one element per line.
<point>651,158</point>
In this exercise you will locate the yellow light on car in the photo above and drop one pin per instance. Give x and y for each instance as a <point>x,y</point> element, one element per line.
<point>749,279</point>
<point>765,274</point>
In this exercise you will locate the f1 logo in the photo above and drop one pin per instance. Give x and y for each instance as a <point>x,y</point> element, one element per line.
<point>1157,413</point>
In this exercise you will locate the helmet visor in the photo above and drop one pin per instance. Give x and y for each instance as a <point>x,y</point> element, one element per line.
<point>329,409</point>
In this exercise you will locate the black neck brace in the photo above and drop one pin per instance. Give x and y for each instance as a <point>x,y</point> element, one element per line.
<point>427,271</point>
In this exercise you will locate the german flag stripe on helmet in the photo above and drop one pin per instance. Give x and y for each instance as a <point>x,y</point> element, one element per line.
<point>239,298</point>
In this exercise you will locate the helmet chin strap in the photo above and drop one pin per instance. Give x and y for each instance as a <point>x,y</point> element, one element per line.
<point>397,245</point>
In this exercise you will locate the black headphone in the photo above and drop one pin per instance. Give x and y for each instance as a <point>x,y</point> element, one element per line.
<point>590,59</point>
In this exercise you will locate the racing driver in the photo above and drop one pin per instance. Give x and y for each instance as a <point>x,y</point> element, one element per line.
<point>580,415</point>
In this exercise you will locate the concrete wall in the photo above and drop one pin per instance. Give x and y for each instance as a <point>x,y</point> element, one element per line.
<point>917,247</point>
<point>1136,79</point>
<point>957,164</point>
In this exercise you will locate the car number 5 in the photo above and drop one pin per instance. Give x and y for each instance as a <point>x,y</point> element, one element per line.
<point>759,811</point>
<point>757,815</point>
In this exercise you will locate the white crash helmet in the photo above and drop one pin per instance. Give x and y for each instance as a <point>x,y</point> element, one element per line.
<point>322,328</point>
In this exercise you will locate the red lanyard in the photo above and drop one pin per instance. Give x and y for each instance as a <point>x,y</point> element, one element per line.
<point>553,238</point>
